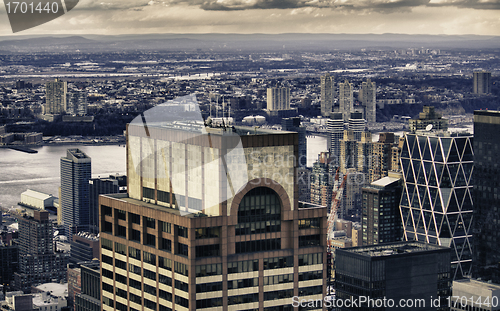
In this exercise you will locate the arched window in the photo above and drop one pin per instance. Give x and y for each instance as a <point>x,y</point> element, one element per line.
<point>259,212</point>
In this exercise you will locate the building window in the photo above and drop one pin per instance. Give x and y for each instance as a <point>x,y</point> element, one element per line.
<point>310,259</point>
<point>235,284</point>
<point>279,294</point>
<point>208,303</point>
<point>149,258</point>
<point>149,274</point>
<point>182,286</point>
<point>120,264</point>
<point>181,301</point>
<point>149,304</point>
<point>207,250</point>
<point>163,196</point>
<point>204,233</point>
<point>182,249</point>
<point>150,222</point>
<point>313,290</point>
<point>165,263</point>
<point>148,193</point>
<point>258,246</point>
<point>107,244</point>
<point>107,227</point>
<point>120,249</point>
<point>150,289</point>
<point>135,235</point>
<point>248,298</point>
<point>208,270</point>
<point>310,223</point>
<point>311,275</point>
<point>165,295</point>
<point>278,262</point>
<point>181,268</point>
<point>208,287</point>
<point>134,269</point>
<point>120,214</point>
<point>259,212</point>
<point>309,240</point>
<point>243,266</point>
<point>134,253</point>
<point>278,279</point>
<point>121,231</point>
<point>182,231</point>
<point>150,240</point>
<point>106,210</point>
<point>166,245</point>
<point>134,218</point>
<point>165,226</point>
<point>135,298</point>
<point>165,279</point>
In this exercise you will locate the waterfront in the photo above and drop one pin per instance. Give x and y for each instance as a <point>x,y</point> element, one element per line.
<point>41,171</point>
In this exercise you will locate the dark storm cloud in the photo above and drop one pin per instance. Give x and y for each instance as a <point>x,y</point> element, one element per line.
<point>347,5</point>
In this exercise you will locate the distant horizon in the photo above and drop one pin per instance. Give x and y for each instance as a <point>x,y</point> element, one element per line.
<point>139,17</point>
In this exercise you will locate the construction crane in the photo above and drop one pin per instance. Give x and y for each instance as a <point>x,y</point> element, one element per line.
<point>336,197</point>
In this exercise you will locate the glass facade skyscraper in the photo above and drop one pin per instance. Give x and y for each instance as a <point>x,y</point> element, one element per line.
<point>436,205</point>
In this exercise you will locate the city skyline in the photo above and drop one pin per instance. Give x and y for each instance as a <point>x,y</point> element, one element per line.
<point>450,17</point>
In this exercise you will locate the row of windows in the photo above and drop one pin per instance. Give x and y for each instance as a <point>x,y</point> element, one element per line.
<point>258,246</point>
<point>311,275</point>
<point>278,279</point>
<point>242,266</point>
<point>207,250</point>
<point>278,294</point>
<point>208,270</point>
<point>309,223</point>
<point>181,286</point>
<point>248,298</point>
<point>309,240</point>
<point>278,262</point>
<point>208,303</point>
<point>235,284</point>
<point>258,227</point>
<point>310,259</point>
<point>208,287</point>
<point>211,232</point>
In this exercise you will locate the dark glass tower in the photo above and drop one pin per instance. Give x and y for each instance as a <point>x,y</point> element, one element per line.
<point>486,195</point>
<point>75,198</point>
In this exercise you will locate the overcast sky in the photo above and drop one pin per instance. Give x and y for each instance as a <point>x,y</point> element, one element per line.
<point>112,17</point>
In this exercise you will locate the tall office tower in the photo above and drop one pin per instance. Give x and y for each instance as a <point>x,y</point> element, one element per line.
<point>365,149</point>
<point>481,82</point>
<point>412,272</point>
<point>356,123</point>
<point>37,261</point>
<point>293,125</point>
<point>76,102</point>
<point>97,186</point>
<point>55,97</point>
<point>335,128</point>
<point>381,218</point>
<point>426,118</point>
<point>486,195</point>
<point>75,197</point>
<point>346,102</point>
<point>368,98</point>
<point>396,154</point>
<point>9,262</point>
<point>348,152</point>
<point>304,183</point>
<point>327,94</point>
<point>89,299</point>
<point>382,157</point>
<point>211,219</point>
<point>278,98</point>
<point>436,205</point>
<point>322,180</point>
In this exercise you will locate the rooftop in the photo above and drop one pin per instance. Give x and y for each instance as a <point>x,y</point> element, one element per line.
<point>384,182</point>
<point>37,195</point>
<point>397,248</point>
<point>55,289</point>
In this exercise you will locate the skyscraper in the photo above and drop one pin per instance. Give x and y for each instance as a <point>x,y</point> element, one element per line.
<point>481,82</point>
<point>436,205</point>
<point>55,97</point>
<point>356,124</point>
<point>75,197</point>
<point>335,127</point>
<point>76,102</point>
<point>382,157</point>
<point>97,186</point>
<point>327,94</point>
<point>368,100</point>
<point>278,98</point>
<point>209,222</point>
<point>90,297</point>
<point>346,99</point>
<point>293,125</point>
<point>37,261</point>
<point>322,180</point>
<point>486,195</point>
<point>381,218</point>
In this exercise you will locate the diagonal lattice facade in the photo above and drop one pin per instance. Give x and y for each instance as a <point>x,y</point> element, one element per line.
<point>436,204</point>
